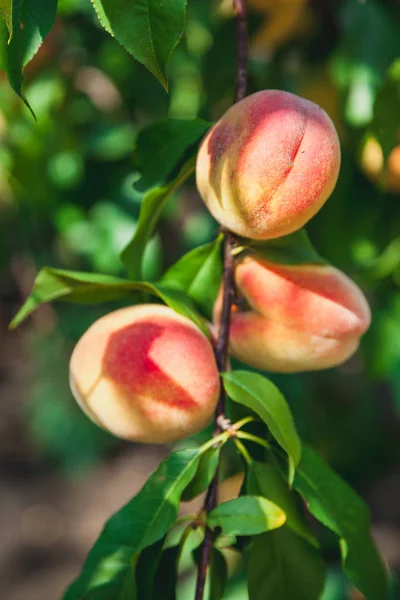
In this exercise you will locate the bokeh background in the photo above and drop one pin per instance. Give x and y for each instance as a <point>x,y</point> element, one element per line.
<point>67,200</point>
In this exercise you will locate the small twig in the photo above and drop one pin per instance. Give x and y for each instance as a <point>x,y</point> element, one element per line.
<point>221,345</point>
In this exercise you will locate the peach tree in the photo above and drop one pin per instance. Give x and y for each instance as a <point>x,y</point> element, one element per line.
<point>158,370</point>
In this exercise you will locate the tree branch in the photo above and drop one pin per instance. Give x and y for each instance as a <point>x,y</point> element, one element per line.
<point>241,49</point>
<point>221,345</point>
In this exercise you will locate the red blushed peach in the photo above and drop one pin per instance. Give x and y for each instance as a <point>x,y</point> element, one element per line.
<point>301,318</point>
<point>268,165</point>
<point>146,374</point>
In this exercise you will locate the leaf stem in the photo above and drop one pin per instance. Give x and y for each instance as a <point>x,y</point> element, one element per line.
<point>239,424</point>
<point>243,451</point>
<point>244,435</point>
<point>214,441</point>
<point>221,345</point>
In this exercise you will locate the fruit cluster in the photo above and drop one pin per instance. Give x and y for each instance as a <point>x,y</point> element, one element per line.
<point>148,374</point>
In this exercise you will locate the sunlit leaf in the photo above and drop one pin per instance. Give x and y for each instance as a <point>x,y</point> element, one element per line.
<point>88,288</point>
<point>263,397</point>
<point>264,480</point>
<point>148,29</point>
<point>109,568</point>
<point>246,515</point>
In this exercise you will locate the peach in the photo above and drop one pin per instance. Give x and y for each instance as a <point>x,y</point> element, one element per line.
<point>147,374</point>
<point>373,165</point>
<point>268,165</point>
<point>300,318</point>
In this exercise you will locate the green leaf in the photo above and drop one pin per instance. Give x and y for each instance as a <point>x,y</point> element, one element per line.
<point>89,288</point>
<point>283,567</point>
<point>199,275</point>
<point>148,29</point>
<point>205,473</point>
<point>218,575</point>
<point>264,480</point>
<point>263,397</point>
<point>338,507</point>
<point>293,249</point>
<point>150,212</point>
<point>146,569</point>
<point>108,571</point>
<point>162,146</point>
<point>8,8</point>
<point>165,581</point>
<point>246,515</point>
<point>28,22</point>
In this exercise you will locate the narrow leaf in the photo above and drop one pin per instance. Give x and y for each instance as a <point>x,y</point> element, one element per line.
<point>140,523</point>
<point>206,470</point>
<point>199,274</point>
<point>264,480</point>
<point>146,569</point>
<point>165,581</point>
<point>283,567</point>
<point>148,29</point>
<point>88,288</point>
<point>218,575</point>
<point>163,146</point>
<point>338,507</point>
<point>263,397</point>
<point>246,515</point>
<point>150,212</point>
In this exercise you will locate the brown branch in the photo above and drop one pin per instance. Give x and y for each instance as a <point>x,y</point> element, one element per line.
<point>221,345</point>
<point>241,49</point>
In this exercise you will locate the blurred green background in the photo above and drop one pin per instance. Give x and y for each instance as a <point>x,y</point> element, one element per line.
<point>67,200</point>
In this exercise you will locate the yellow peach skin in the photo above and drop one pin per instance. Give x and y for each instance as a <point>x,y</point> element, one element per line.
<point>268,165</point>
<point>301,318</point>
<point>372,163</point>
<point>146,374</point>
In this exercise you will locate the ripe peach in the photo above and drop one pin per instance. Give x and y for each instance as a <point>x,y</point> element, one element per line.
<point>372,163</point>
<point>268,165</point>
<point>146,374</point>
<point>301,318</point>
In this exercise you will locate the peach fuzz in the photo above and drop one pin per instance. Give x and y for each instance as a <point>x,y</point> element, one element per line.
<point>146,374</point>
<point>268,165</point>
<point>301,318</point>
